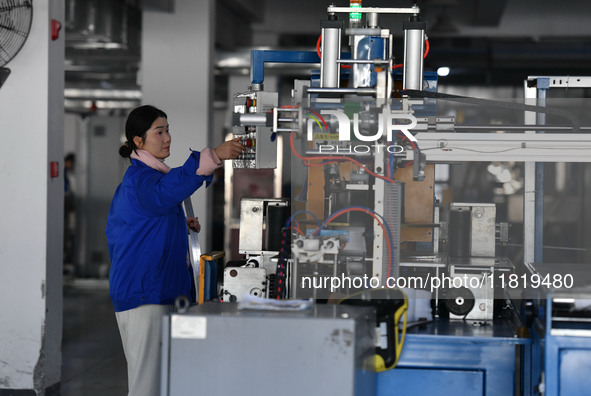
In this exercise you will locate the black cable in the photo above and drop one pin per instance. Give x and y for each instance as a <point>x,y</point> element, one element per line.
<point>281,273</point>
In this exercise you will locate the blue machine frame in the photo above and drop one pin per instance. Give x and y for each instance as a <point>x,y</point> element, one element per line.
<point>567,362</point>
<point>449,356</point>
<point>566,356</point>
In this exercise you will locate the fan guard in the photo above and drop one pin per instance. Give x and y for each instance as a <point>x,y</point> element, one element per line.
<point>15,23</point>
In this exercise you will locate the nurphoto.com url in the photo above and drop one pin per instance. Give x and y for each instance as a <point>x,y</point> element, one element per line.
<point>441,281</point>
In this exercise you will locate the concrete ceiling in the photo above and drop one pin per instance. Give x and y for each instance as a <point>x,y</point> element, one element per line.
<point>495,42</point>
<point>483,41</point>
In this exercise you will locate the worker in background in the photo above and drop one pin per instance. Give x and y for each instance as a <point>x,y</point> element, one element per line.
<point>69,212</point>
<point>147,234</point>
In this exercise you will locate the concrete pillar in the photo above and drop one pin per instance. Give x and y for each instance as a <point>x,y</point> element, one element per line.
<point>177,76</point>
<point>31,230</point>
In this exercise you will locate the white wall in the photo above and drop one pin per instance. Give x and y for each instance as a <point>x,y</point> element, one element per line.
<point>176,76</point>
<point>105,170</point>
<point>31,115</point>
<point>71,122</point>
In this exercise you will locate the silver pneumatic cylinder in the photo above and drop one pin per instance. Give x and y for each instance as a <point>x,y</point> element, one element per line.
<point>331,51</point>
<point>414,48</point>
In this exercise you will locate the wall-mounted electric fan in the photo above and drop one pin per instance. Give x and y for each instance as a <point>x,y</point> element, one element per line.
<point>15,23</point>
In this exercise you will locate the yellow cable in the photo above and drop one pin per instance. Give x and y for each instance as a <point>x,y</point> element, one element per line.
<point>402,311</point>
<point>376,360</point>
<point>398,342</point>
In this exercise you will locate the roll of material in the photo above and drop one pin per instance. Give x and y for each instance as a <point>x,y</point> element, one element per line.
<point>459,233</point>
<point>459,301</point>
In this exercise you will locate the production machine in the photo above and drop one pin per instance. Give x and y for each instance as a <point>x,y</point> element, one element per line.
<point>364,217</point>
<point>363,225</point>
<point>363,207</point>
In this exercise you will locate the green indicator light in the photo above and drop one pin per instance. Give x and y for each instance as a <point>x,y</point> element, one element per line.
<point>355,15</point>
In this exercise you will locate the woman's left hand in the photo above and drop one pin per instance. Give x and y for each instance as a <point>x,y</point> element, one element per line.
<point>193,224</point>
<point>230,149</point>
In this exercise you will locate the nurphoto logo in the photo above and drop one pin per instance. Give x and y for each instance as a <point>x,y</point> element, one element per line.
<point>390,121</point>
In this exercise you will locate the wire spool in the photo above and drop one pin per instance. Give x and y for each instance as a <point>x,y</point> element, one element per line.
<point>459,301</point>
<point>15,23</point>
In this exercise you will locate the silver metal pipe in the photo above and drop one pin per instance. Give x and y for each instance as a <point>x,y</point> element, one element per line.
<point>359,91</point>
<point>390,66</point>
<point>414,45</point>
<point>331,51</point>
<point>253,119</point>
<point>540,181</point>
<point>363,31</point>
<point>372,19</point>
<point>412,10</point>
<point>515,127</point>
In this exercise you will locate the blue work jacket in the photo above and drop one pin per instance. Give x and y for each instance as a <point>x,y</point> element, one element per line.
<point>147,234</point>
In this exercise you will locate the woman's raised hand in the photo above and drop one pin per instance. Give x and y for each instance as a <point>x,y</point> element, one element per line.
<point>230,149</point>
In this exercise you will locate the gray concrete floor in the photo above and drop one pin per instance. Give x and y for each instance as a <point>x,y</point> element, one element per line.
<point>93,362</point>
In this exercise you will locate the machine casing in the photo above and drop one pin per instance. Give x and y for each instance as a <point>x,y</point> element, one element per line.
<point>217,349</point>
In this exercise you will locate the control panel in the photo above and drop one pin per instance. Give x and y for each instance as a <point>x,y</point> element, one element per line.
<point>252,123</point>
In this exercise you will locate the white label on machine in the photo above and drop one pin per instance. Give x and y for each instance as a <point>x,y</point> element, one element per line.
<point>184,326</point>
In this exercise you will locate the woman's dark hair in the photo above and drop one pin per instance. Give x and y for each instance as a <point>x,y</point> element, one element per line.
<point>138,122</point>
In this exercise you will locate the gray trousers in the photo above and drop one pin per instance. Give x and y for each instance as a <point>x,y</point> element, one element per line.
<point>141,335</point>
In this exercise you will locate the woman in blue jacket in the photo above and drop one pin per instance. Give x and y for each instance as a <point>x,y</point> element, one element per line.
<point>147,234</point>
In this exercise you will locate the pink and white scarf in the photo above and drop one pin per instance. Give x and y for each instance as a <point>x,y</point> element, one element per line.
<point>150,160</point>
<point>208,161</point>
